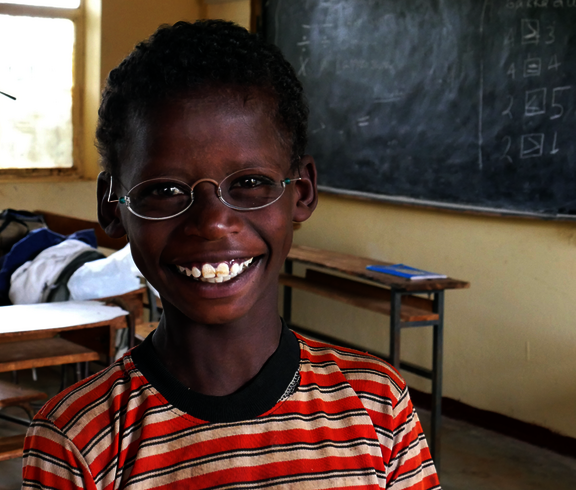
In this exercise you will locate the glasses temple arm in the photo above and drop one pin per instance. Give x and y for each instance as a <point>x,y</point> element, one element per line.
<point>110,192</point>
<point>289,181</point>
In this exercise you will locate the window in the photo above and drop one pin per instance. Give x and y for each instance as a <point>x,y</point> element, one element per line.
<point>39,79</point>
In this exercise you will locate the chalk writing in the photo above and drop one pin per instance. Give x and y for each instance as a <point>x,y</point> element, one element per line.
<point>540,4</point>
<point>530,31</point>
<point>554,147</point>
<point>508,110</point>
<point>540,36</point>
<point>554,64</point>
<point>532,145</point>
<point>535,102</point>
<point>505,156</point>
<point>557,105</point>
<point>302,69</point>
<point>532,67</point>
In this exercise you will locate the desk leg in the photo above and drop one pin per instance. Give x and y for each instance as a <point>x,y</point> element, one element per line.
<point>437,357</point>
<point>287,307</point>
<point>396,305</point>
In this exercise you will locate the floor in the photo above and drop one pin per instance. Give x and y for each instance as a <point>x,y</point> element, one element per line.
<point>472,458</point>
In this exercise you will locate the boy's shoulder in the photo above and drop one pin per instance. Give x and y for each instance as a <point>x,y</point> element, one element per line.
<point>362,370</point>
<point>98,396</point>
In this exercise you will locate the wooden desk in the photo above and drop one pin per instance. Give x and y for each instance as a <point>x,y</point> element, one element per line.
<point>28,328</point>
<point>31,336</point>
<point>396,297</point>
<point>102,338</point>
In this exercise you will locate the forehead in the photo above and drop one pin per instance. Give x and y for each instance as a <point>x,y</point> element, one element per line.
<point>207,135</point>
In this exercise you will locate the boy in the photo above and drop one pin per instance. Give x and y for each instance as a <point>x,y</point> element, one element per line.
<point>202,133</point>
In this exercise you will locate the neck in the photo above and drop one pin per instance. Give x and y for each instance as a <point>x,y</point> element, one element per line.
<point>217,359</point>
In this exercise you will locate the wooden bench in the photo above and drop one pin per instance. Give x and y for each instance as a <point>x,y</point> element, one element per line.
<point>11,447</point>
<point>54,351</point>
<point>26,354</point>
<point>12,395</point>
<point>373,298</point>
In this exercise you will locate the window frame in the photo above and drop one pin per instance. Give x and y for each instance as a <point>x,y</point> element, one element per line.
<point>77,16</point>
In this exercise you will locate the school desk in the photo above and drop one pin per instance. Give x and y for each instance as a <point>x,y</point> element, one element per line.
<point>400,299</point>
<point>32,336</point>
<point>25,328</point>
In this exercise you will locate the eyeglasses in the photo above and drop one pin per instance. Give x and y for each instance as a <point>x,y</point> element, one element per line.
<point>245,190</point>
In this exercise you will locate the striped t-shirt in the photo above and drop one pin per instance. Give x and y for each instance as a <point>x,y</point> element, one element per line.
<point>315,417</point>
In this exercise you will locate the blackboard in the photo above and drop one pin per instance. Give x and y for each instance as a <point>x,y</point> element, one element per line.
<point>469,104</point>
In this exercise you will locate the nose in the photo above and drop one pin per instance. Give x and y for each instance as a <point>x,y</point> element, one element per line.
<point>208,217</point>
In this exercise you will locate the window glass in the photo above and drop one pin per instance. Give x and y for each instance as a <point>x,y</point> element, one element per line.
<point>65,4</point>
<point>36,67</point>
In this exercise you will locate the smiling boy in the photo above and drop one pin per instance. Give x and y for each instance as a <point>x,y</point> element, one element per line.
<point>202,133</point>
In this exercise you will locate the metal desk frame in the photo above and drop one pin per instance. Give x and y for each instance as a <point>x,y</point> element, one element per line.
<point>396,326</point>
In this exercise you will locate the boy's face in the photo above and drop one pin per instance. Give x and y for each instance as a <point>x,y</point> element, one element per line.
<point>209,138</point>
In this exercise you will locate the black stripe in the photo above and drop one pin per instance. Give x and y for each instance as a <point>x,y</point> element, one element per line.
<point>84,384</point>
<point>382,400</point>
<point>49,458</point>
<point>102,400</point>
<point>400,428</point>
<point>36,484</point>
<point>384,432</point>
<point>286,480</point>
<point>412,445</point>
<point>354,354</point>
<point>251,453</point>
<point>325,389</point>
<point>109,467</point>
<point>118,415</point>
<point>192,431</point>
<point>375,373</point>
<point>413,473</point>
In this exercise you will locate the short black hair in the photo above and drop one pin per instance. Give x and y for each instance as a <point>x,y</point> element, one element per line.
<point>194,57</point>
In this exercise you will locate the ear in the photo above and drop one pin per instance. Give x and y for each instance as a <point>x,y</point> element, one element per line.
<point>306,192</point>
<point>108,212</point>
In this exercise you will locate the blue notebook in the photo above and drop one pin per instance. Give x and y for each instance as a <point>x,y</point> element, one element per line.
<point>405,271</point>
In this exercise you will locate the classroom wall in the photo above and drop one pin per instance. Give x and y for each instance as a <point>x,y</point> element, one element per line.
<point>510,341</point>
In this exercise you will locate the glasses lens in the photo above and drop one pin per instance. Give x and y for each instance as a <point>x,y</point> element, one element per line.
<point>252,188</point>
<point>160,198</point>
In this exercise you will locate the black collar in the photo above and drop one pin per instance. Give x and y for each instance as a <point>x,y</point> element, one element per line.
<point>255,398</point>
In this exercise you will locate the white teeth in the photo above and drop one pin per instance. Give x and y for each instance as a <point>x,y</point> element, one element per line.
<point>208,271</point>
<point>222,273</point>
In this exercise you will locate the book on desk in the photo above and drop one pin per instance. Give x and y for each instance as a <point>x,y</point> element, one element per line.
<point>405,271</point>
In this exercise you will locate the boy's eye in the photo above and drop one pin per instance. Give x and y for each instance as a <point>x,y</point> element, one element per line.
<point>168,190</point>
<point>251,182</point>
<point>162,190</point>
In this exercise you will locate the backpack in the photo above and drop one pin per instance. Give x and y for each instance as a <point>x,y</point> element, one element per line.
<point>15,225</point>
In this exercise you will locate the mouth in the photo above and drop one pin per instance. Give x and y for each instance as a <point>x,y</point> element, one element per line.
<point>216,272</point>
